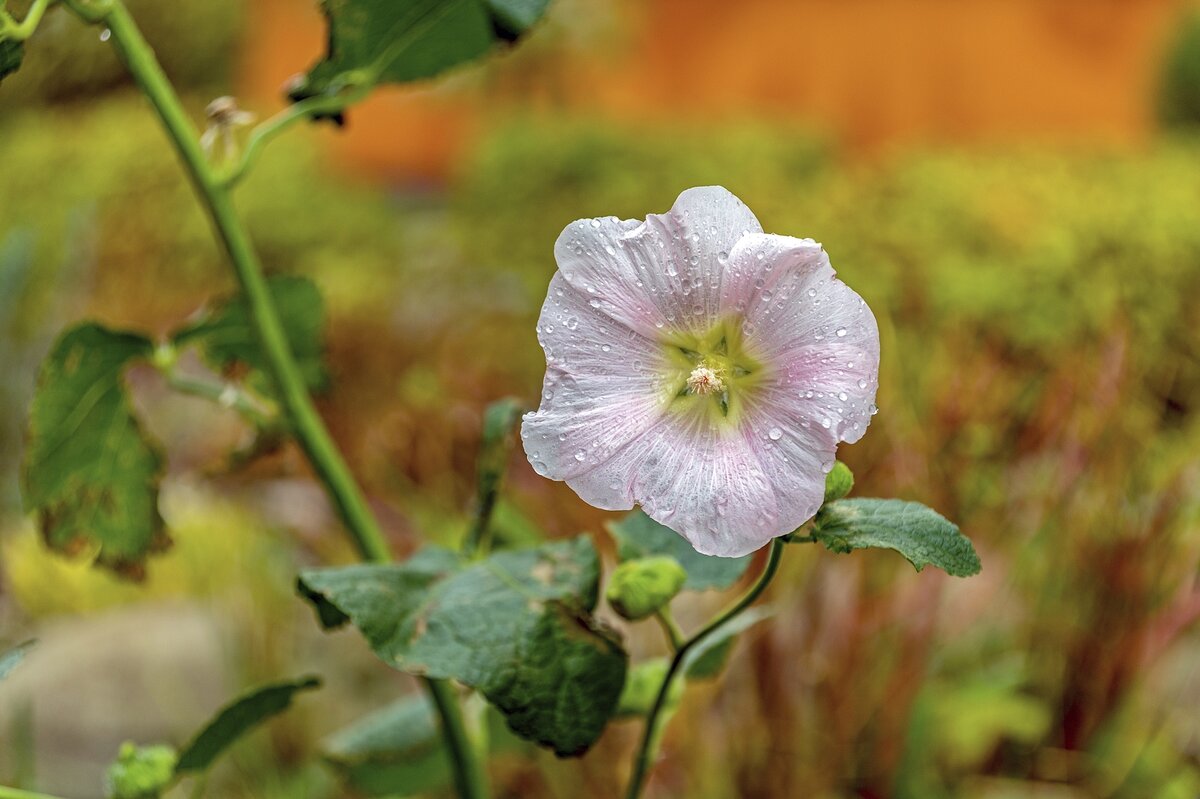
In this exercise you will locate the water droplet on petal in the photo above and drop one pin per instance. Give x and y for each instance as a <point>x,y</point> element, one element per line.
<point>774,434</point>
<point>843,396</point>
<point>572,323</point>
<point>862,383</point>
<point>580,456</point>
<point>596,223</point>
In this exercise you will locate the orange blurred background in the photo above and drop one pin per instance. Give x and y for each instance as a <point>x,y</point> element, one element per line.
<point>870,74</point>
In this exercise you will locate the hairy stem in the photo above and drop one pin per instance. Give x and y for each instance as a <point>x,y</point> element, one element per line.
<point>655,720</point>
<point>305,423</point>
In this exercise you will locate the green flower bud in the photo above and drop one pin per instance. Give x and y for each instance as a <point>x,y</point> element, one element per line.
<point>141,772</point>
<point>640,587</point>
<point>838,482</point>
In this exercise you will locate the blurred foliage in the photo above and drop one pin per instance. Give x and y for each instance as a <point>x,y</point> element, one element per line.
<point>1040,373</point>
<point>1179,95</point>
<point>195,40</point>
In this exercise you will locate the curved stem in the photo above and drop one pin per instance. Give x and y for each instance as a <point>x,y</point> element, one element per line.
<point>673,632</point>
<point>307,426</point>
<point>224,394</point>
<point>24,29</point>
<point>264,132</point>
<point>654,720</point>
<point>305,423</point>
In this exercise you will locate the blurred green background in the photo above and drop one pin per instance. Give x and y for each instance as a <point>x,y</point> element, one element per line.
<point>1037,298</point>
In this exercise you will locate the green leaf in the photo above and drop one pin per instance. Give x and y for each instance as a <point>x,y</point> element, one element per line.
<point>11,54</point>
<point>238,718</point>
<point>395,751</point>
<point>226,336</point>
<point>13,657</point>
<point>140,772</point>
<point>91,474</point>
<point>918,533</point>
<point>639,536</point>
<point>517,626</point>
<point>399,750</point>
<point>385,41</point>
<point>708,658</point>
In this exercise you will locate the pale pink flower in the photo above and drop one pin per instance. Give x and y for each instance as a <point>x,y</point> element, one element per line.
<point>702,369</point>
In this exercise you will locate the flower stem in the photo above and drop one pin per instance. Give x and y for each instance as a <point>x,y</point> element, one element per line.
<point>307,426</point>
<point>264,132</point>
<point>24,29</point>
<point>654,721</point>
<point>305,423</point>
<point>674,634</point>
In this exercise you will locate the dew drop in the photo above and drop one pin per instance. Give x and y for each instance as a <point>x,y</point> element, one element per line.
<point>843,396</point>
<point>827,467</point>
<point>580,456</point>
<point>862,383</point>
<point>105,35</point>
<point>841,331</point>
<point>826,422</point>
<point>605,347</point>
<point>774,434</point>
<point>595,223</point>
<point>572,323</point>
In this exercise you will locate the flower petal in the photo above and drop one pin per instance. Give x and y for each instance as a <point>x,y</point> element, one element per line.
<point>604,385</point>
<point>664,272</point>
<point>701,480</point>
<point>816,335</point>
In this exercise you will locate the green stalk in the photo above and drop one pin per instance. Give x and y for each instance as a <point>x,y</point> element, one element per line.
<point>655,720</point>
<point>305,423</point>
<point>24,29</point>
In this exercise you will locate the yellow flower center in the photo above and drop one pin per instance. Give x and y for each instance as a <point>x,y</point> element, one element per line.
<point>714,371</point>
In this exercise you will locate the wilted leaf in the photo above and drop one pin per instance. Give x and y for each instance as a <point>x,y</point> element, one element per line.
<point>238,718</point>
<point>918,533</point>
<point>383,41</point>
<point>517,626</point>
<point>226,336</point>
<point>91,474</point>
<point>639,536</point>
